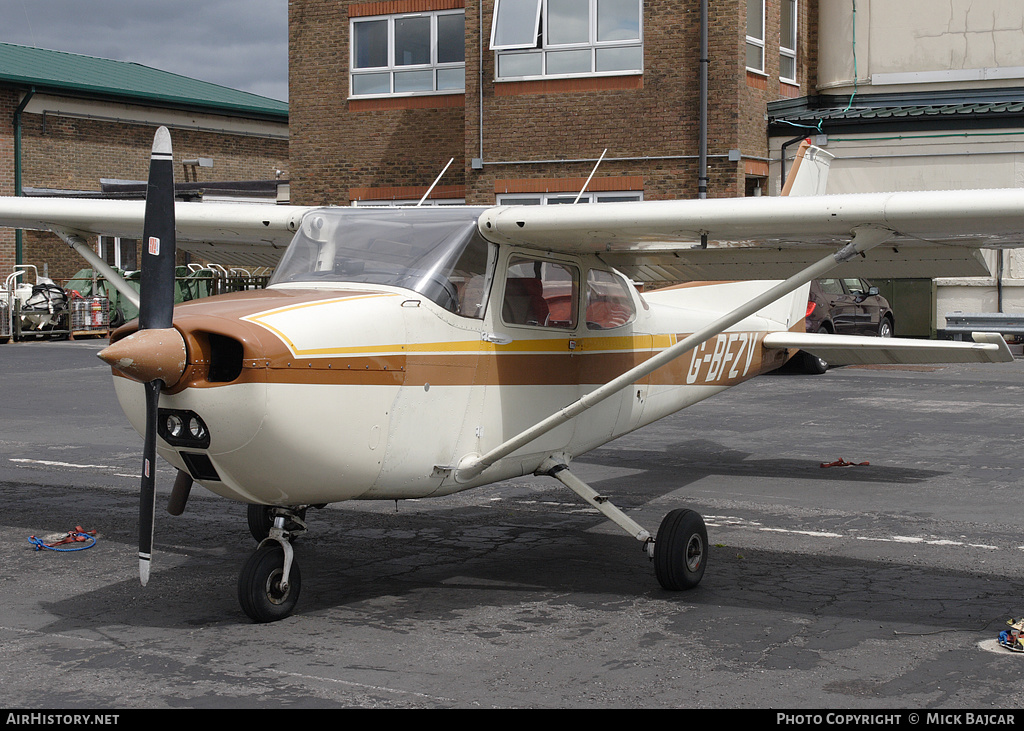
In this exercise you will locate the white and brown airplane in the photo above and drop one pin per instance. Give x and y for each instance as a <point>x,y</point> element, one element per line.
<point>417,352</point>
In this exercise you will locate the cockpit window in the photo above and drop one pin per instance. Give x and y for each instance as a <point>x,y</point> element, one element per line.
<point>609,303</point>
<point>540,293</point>
<point>435,252</point>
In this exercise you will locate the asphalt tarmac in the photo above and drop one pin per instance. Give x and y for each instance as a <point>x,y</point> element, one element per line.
<point>872,586</point>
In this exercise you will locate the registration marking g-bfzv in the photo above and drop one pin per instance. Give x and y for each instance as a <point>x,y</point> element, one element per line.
<point>725,357</point>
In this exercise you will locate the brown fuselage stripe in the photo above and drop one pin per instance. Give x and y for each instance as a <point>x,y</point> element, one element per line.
<point>266,359</point>
<point>484,369</point>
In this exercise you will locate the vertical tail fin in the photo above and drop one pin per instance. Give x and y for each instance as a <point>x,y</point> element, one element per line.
<point>810,171</point>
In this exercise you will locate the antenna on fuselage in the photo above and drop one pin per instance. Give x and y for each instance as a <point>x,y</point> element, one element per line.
<point>584,189</point>
<point>436,181</point>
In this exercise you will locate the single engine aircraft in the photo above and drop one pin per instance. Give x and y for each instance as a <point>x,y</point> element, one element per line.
<point>417,352</point>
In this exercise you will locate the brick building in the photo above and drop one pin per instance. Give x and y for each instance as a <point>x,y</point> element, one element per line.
<point>82,126</point>
<point>526,95</point>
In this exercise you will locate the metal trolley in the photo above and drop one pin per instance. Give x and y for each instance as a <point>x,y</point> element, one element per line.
<point>90,316</point>
<point>7,307</point>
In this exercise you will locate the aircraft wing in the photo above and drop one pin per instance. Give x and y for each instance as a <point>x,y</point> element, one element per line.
<point>239,234</point>
<point>934,233</point>
<point>854,350</point>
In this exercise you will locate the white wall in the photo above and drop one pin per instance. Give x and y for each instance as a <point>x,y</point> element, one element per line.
<point>913,45</point>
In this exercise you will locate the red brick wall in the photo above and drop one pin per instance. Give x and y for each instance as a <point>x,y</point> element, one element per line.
<point>648,123</point>
<point>8,103</point>
<point>74,154</point>
<point>337,145</point>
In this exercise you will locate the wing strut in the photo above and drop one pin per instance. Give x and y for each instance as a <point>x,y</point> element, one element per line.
<point>864,238</point>
<point>555,466</point>
<point>77,243</point>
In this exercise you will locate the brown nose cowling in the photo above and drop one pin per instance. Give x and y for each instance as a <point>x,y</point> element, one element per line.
<point>148,355</point>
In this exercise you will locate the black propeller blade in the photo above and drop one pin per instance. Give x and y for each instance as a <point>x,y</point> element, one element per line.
<point>156,310</point>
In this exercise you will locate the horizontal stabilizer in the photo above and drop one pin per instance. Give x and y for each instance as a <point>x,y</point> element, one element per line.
<point>855,350</point>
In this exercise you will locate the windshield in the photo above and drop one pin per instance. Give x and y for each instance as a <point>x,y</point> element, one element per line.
<point>436,252</point>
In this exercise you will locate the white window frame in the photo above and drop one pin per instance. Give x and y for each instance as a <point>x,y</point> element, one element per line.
<point>407,202</point>
<point>784,51</point>
<point>498,16</point>
<point>543,49</point>
<point>391,69</point>
<point>754,41</point>
<point>552,199</point>
<point>102,244</point>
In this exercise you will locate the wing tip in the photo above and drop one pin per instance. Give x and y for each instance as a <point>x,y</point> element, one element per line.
<point>1002,353</point>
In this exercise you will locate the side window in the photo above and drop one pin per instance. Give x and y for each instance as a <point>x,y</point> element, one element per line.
<point>854,286</point>
<point>831,286</point>
<point>540,293</point>
<point>609,303</point>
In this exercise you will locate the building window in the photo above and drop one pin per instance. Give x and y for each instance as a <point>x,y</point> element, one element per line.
<point>545,38</point>
<point>406,202</point>
<point>787,41</point>
<point>118,252</point>
<point>419,53</point>
<point>755,35</point>
<point>551,199</point>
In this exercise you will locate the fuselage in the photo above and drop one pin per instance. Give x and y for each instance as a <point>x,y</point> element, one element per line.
<point>319,389</point>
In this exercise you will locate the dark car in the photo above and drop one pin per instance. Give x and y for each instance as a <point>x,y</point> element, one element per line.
<point>845,306</point>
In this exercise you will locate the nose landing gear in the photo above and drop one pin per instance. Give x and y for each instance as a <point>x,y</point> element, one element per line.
<point>270,580</point>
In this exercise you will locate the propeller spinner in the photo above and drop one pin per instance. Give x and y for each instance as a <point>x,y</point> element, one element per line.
<point>155,354</point>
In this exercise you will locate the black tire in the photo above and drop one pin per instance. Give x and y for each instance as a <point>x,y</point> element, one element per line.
<point>681,550</point>
<point>260,520</point>
<point>812,363</point>
<point>259,589</point>
<point>885,328</point>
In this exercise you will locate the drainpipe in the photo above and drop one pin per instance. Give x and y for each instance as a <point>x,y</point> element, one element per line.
<point>702,162</point>
<point>999,280</point>
<point>18,240</point>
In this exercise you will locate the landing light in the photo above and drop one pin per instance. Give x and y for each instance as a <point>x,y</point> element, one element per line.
<point>196,428</point>
<point>173,425</point>
<point>181,428</point>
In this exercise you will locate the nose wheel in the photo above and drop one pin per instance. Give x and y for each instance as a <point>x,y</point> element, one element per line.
<point>269,583</point>
<point>267,589</point>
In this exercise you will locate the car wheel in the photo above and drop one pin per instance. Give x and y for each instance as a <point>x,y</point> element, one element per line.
<point>885,328</point>
<point>812,363</point>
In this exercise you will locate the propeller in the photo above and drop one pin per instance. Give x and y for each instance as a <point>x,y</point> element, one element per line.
<point>155,354</point>
<point>156,310</point>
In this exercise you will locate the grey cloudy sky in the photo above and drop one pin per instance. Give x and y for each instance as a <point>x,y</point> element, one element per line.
<point>242,44</point>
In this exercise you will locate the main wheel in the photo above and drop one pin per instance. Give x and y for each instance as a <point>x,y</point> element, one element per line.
<point>259,585</point>
<point>681,550</point>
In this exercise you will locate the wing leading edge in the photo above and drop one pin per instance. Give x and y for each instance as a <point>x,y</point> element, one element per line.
<point>934,233</point>
<point>228,233</point>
